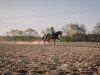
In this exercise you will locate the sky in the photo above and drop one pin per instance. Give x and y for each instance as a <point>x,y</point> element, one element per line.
<point>41,14</point>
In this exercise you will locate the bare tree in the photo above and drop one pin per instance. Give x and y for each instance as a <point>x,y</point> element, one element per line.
<point>13,32</point>
<point>46,31</point>
<point>16,32</point>
<point>82,29</point>
<point>73,30</point>
<point>30,32</point>
<point>97,29</point>
<point>7,34</point>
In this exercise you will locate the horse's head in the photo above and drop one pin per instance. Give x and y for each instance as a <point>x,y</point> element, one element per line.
<point>59,33</point>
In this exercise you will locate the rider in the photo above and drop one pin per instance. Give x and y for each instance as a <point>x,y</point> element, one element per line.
<point>52,31</point>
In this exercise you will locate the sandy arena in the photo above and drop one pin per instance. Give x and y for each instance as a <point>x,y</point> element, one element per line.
<point>67,58</point>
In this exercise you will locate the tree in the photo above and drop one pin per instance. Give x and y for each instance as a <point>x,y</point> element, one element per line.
<point>7,33</point>
<point>73,30</point>
<point>97,29</point>
<point>16,34</point>
<point>30,32</point>
<point>13,32</point>
<point>46,31</point>
<point>82,29</point>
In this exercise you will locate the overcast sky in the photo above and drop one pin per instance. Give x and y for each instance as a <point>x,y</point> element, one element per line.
<point>40,14</point>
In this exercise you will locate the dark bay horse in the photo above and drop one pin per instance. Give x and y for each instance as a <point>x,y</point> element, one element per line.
<point>54,36</point>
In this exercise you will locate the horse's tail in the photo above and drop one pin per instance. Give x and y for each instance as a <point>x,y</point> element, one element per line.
<point>44,37</point>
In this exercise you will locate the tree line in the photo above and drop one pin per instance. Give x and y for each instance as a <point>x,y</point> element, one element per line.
<point>18,35</point>
<point>72,32</point>
<point>77,32</point>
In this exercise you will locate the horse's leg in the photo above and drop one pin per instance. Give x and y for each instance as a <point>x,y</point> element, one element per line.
<point>54,41</point>
<point>48,40</point>
<point>60,40</point>
<point>44,40</point>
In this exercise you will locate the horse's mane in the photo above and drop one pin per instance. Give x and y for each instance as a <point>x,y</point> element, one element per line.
<point>59,31</point>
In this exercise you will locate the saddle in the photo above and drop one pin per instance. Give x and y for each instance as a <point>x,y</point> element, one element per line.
<point>53,34</point>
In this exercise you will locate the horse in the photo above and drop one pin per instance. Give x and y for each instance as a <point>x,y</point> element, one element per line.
<point>54,36</point>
